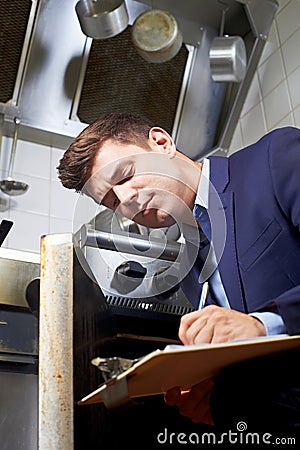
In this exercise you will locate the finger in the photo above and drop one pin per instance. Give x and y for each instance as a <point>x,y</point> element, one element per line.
<point>197,393</point>
<point>202,413</point>
<point>199,332</point>
<point>194,408</point>
<point>205,335</point>
<point>192,329</point>
<point>205,385</point>
<point>173,396</point>
<point>197,405</point>
<point>187,321</point>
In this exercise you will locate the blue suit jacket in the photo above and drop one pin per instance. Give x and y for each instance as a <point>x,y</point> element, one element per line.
<point>259,190</point>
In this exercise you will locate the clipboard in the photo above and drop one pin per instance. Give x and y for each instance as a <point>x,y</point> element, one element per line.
<point>183,366</point>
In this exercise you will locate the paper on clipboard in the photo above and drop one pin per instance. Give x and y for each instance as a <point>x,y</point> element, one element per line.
<point>186,366</point>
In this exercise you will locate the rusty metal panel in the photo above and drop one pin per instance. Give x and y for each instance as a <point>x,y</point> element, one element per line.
<point>56,344</point>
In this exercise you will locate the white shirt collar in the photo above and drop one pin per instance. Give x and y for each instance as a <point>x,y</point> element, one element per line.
<point>203,187</point>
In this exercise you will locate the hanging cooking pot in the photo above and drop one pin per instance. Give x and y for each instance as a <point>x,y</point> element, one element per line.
<point>227,56</point>
<point>156,36</point>
<point>228,59</point>
<point>102,19</point>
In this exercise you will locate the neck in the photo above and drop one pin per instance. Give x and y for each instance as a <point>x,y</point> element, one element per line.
<point>190,172</point>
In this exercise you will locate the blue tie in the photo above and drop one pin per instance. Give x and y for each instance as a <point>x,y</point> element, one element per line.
<point>215,281</point>
<point>202,215</point>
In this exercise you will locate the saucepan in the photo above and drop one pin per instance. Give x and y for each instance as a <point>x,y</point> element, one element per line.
<point>156,36</point>
<point>227,57</point>
<point>102,19</point>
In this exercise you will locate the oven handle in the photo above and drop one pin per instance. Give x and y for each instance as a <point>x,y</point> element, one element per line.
<point>130,243</point>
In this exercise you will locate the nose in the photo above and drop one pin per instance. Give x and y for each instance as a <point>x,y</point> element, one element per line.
<point>125,194</point>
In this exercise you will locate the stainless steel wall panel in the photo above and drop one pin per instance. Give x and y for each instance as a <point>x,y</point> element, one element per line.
<point>18,411</point>
<point>17,269</point>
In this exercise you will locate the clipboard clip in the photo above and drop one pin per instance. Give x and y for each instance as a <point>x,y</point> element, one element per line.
<point>115,396</point>
<point>112,367</point>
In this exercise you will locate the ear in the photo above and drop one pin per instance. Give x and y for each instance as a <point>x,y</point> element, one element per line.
<point>160,140</point>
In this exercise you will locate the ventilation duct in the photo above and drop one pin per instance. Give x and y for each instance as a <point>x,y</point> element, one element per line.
<point>57,80</point>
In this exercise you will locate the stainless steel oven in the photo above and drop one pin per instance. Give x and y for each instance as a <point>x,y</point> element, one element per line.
<point>18,353</point>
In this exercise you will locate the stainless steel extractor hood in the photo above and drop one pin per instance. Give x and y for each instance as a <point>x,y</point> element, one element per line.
<point>64,79</point>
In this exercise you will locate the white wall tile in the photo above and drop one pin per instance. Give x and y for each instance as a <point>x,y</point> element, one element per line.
<point>271,73</point>
<point>290,52</point>
<point>62,201</point>
<point>36,199</point>
<point>4,215</point>
<point>27,231</point>
<point>253,125</point>
<point>4,156</point>
<point>4,204</point>
<point>286,121</point>
<point>60,226</point>
<point>297,116</point>
<point>56,155</point>
<point>86,209</point>
<point>253,96</point>
<point>282,4</point>
<point>237,140</point>
<point>79,219</point>
<point>32,159</point>
<point>288,20</point>
<point>276,105</point>
<point>271,45</point>
<point>293,81</point>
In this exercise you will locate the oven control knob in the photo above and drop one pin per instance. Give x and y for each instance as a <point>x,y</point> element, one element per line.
<point>128,276</point>
<point>132,269</point>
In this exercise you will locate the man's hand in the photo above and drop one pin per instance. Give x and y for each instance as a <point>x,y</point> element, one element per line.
<point>214,324</point>
<point>195,403</point>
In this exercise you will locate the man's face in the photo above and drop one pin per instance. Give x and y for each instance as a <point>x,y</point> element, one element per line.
<point>144,185</point>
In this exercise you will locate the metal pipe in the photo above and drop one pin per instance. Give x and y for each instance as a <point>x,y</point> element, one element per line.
<point>133,244</point>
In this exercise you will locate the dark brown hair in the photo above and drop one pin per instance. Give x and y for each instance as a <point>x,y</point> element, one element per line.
<point>75,166</point>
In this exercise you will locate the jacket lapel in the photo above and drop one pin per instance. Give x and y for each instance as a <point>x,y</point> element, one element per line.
<point>221,211</point>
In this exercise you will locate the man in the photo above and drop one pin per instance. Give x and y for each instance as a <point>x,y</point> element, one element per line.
<point>252,271</point>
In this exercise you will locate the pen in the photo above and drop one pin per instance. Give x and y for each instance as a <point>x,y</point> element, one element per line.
<point>203,295</point>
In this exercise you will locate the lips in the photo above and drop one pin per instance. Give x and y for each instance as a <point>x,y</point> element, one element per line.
<point>146,212</point>
<point>146,209</point>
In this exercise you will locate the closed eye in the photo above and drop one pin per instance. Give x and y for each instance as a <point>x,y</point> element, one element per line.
<point>110,200</point>
<point>125,179</point>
